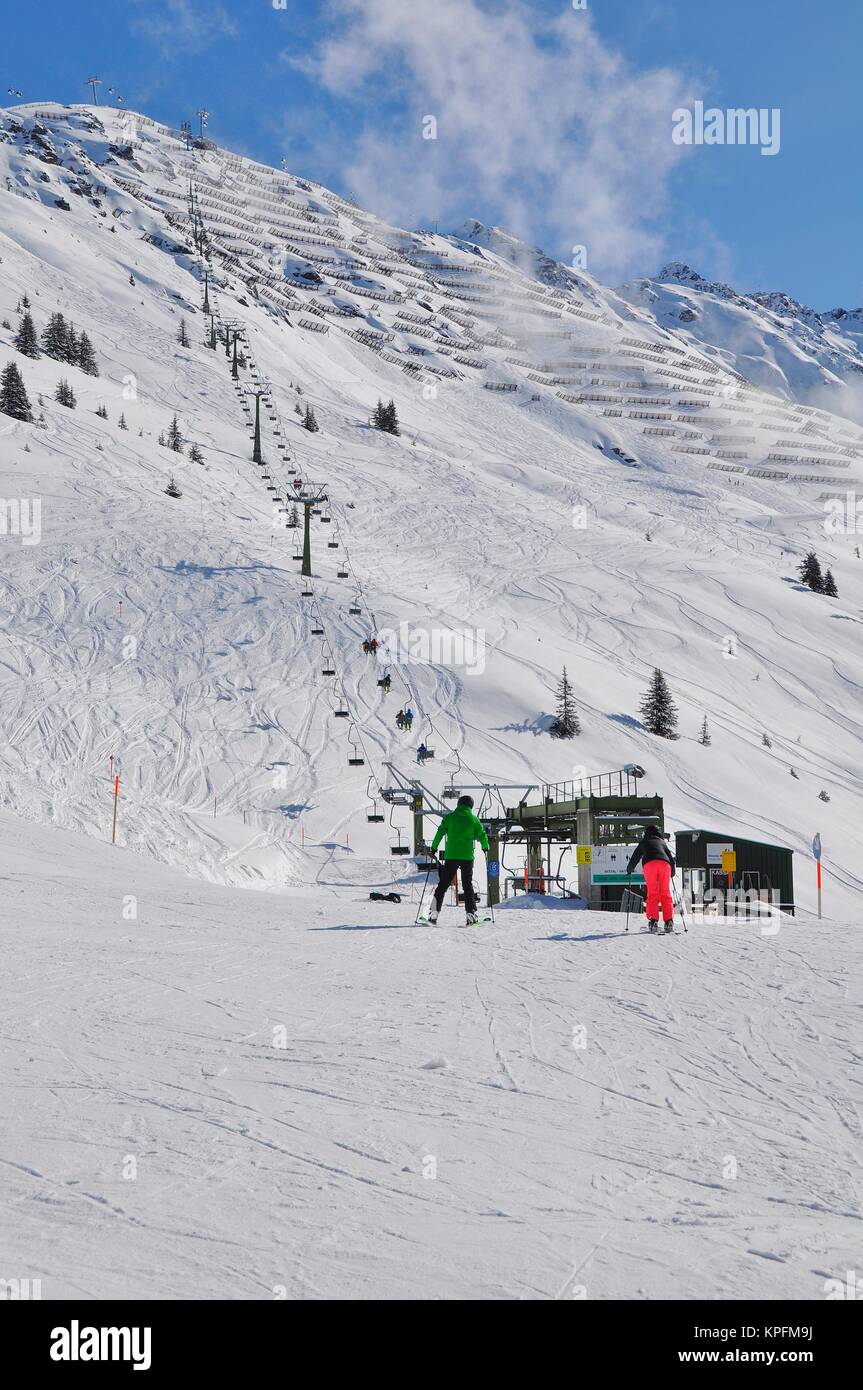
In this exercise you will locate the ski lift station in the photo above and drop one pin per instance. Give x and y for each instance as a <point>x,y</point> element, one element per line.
<point>712,861</point>
<point>594,822</point>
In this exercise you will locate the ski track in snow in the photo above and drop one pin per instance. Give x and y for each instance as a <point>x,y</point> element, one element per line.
<point>302,1164</point>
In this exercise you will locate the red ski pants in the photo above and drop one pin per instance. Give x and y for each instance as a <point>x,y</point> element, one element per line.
<point>657,876</point>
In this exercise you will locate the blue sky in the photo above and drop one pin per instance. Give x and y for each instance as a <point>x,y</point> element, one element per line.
<point>552,121</point>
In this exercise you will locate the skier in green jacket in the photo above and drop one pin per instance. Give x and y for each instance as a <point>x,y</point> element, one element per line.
<point>462,830</point>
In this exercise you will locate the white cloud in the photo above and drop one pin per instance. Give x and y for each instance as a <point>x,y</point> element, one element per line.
<point>183,26</point>
<point>541,126</point>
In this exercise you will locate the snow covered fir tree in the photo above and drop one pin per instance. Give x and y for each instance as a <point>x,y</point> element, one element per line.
<point>657,709</point>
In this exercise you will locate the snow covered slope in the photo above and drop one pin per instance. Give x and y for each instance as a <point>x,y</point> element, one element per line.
<point>171,635</point>
<point>221,1098</point>
<point>770,338</point>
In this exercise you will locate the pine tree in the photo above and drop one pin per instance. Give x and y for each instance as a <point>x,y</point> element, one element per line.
<point>25,303</point>
<point>392,419</point>
<point>810,573</point>
<point>704,737</point>
<point>41,422</point>
<point>175,438</point>
<point>13,394</point>
<point>25,339</point>
<point>378,415</point>
<point>54,338</point>
<point>183,336</point>
<point>73,346</point>
<point>161,439</point>
<point>766,741</point>
<point>64,394</point>
<point>830,585</point>
<point>298,409</point>
<point>131,279</point>
<point>172,489</point>
<point>102,412</point>
<point>794,774</point>
<point>657,708</point>
<point>122,422</point>
<point>823,796</point>
<point>566,723</point>
<point>195,455</point>
<point>86,356</point>
<point>309,421</point>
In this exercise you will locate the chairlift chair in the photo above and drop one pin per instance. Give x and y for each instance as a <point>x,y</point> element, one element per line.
<point>353,759</point>
<point>355,611</point>
<point>398,848</point>
<point>317,631</point>
<point>307,593</point>
<point>332,545</point>
<point>342,574</point>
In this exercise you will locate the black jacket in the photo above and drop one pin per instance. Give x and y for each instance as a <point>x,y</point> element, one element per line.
<point>652,846</point>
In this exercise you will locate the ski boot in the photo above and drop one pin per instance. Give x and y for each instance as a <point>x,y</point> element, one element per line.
<point>472,919</point>
<point>669,926</point>
<point>652,924</point>
<point>433,914</point>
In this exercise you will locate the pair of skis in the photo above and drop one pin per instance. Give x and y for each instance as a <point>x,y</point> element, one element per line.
<point>426,922</point>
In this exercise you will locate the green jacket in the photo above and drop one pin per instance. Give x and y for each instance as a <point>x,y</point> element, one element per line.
<point>461,828</point>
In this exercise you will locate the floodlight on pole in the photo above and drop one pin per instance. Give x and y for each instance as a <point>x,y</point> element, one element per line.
<point>94,82</point>
<point>203,117</point>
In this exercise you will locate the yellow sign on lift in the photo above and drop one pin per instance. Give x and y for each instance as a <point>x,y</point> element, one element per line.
<point>729,861</point>
<point>584,854</point>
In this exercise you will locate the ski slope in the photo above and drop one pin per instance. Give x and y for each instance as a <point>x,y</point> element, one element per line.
<point>167,639</point>
<point>217,1099</point>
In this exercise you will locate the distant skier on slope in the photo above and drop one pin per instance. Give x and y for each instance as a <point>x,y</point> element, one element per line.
<point>658,867</point>
<point>462,829</point>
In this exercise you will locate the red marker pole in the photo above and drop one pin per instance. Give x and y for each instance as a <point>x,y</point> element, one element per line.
<point>116,799</point>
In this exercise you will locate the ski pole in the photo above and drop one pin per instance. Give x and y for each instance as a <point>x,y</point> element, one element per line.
<point>680,905</point>
<point>628,899</point>
<point>422,894</point>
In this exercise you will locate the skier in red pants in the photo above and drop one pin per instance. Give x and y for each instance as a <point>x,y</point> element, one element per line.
<point>658,867</point>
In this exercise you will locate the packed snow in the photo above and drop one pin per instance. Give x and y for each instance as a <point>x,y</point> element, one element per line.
<point>255,1095</point>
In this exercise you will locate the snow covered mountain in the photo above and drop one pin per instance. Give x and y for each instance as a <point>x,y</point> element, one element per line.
<point>584,477</point>
<point>768,337</point>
